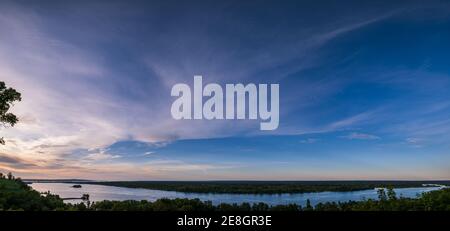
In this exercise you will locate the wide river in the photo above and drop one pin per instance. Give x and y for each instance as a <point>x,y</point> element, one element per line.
<point>100,193</point>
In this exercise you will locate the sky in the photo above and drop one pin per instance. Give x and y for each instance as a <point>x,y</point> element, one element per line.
<point>364,89</point>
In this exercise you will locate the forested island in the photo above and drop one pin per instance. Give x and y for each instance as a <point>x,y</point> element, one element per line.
<point>264,187</point>
<point>17,195</point>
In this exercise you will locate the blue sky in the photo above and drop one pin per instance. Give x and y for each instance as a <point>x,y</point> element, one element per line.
<point>364,89</point>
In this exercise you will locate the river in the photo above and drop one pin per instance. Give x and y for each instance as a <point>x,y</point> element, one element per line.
<point>101,192</point>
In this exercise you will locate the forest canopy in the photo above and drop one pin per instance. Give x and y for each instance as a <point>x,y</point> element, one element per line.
<point>8,96</point>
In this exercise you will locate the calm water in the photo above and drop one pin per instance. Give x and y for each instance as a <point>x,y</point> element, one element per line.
<point>100,192</point>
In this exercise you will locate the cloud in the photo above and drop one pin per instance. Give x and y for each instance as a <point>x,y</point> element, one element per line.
<point>10,162</point>
<point>101,156</point>
<point>357,119</point>
<point>148,153</point>
<point>309,141</point>
<point>361,136</point>
<point>415,142</point>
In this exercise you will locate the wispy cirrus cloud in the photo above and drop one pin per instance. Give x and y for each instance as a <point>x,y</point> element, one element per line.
<point>360,136</point>
<point>309,141</point>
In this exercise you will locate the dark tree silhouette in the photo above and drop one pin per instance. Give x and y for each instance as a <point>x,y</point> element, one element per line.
<point>7,98</point>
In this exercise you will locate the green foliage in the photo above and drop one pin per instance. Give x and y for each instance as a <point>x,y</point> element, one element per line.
<point>381,195</point>
<point>391,194</point>
<point>308,206</point>
<point>436,200</point>
<point>7,98</point>
<point>16,195</point>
